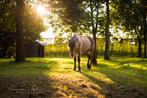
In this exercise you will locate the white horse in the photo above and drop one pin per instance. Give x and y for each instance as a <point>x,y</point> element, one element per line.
<point>79,44</point>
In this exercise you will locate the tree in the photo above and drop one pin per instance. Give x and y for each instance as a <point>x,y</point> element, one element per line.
<point>144,15</point>
<point>20,55</point>
<point>131,15</point>
<point>139,41</point>
<point>91,17</point>
<point>107,34</point>
<point>145,35</point>
<point>32,26</point>
<point>7,34</point>
<point>94,12</point>
<point>72,14</point>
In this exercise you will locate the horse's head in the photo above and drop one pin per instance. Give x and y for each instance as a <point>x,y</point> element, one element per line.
<point>73,46</point>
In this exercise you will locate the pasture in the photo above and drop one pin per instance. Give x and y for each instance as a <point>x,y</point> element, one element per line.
<point>120,77</point>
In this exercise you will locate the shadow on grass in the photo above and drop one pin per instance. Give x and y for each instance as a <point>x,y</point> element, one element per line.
<point>127,82</point>
<point>27,80</point>
<point>121,61</point>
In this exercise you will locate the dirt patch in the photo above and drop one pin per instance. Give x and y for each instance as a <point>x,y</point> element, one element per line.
<point>44,87</point>
<point>64,86</point>
<point>23,87</point>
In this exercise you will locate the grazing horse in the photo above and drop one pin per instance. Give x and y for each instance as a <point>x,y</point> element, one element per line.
<point>79,44</point>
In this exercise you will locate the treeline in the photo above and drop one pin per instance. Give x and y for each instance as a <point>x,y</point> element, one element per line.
<point>19,24</point>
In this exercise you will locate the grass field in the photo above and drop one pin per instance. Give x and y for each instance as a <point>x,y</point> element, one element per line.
<point>54,78</point>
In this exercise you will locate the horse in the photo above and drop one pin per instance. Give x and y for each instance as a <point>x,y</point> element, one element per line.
<point>79,45</point>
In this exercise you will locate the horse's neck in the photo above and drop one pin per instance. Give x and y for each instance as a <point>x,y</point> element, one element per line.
<point>78,41</point>
<point>77,38</point>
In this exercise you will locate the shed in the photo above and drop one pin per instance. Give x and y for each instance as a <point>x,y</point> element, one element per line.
<point>34,49</point>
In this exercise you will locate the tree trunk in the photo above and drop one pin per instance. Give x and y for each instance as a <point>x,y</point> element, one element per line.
<point>107,34</point>
<point>20,55</point>
<point>94,31</point>
<point>94,61</point>
<point>145,35</point>
<point>139,54</point>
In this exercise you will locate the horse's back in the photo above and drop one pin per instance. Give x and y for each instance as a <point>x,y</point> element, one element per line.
<point>87,43</point>
<point>92,42</point>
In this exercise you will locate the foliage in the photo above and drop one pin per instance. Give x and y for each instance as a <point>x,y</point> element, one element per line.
<point>65,15</point>
<point>32,26</point>
<point>124,48</point>
<point>130,14</point>
<point>54,51</point>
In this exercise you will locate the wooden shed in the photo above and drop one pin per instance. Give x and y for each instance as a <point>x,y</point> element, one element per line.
<point>34,49</point>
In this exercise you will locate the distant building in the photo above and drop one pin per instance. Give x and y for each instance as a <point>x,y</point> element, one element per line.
<point>34,49</point>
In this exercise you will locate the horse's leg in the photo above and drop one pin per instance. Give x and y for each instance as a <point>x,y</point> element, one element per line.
<point>90,63</point>
<point>88,66</point>
<point>74,63</point>
<point>91,56</point>
<point>79,68</point>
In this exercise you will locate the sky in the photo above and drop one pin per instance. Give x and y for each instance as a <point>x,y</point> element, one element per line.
<point>49,33</point>
<point>48,36</point>
<point>44,13</point>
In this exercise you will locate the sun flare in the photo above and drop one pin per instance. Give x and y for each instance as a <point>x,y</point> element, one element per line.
<point>41,10</point>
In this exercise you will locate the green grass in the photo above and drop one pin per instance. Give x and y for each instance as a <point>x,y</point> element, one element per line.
<point>119,77</point>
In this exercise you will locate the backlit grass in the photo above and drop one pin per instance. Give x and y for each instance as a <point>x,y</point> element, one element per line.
<point>117,77</point>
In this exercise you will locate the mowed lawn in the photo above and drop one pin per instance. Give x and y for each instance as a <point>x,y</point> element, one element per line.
<point>120,77</point>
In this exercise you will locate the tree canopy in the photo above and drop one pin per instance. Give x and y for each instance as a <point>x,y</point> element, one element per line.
<point>104,18</point>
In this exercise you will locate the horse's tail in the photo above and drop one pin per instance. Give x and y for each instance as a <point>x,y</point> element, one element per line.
<point>93,59</point>
<point>93,51</point>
